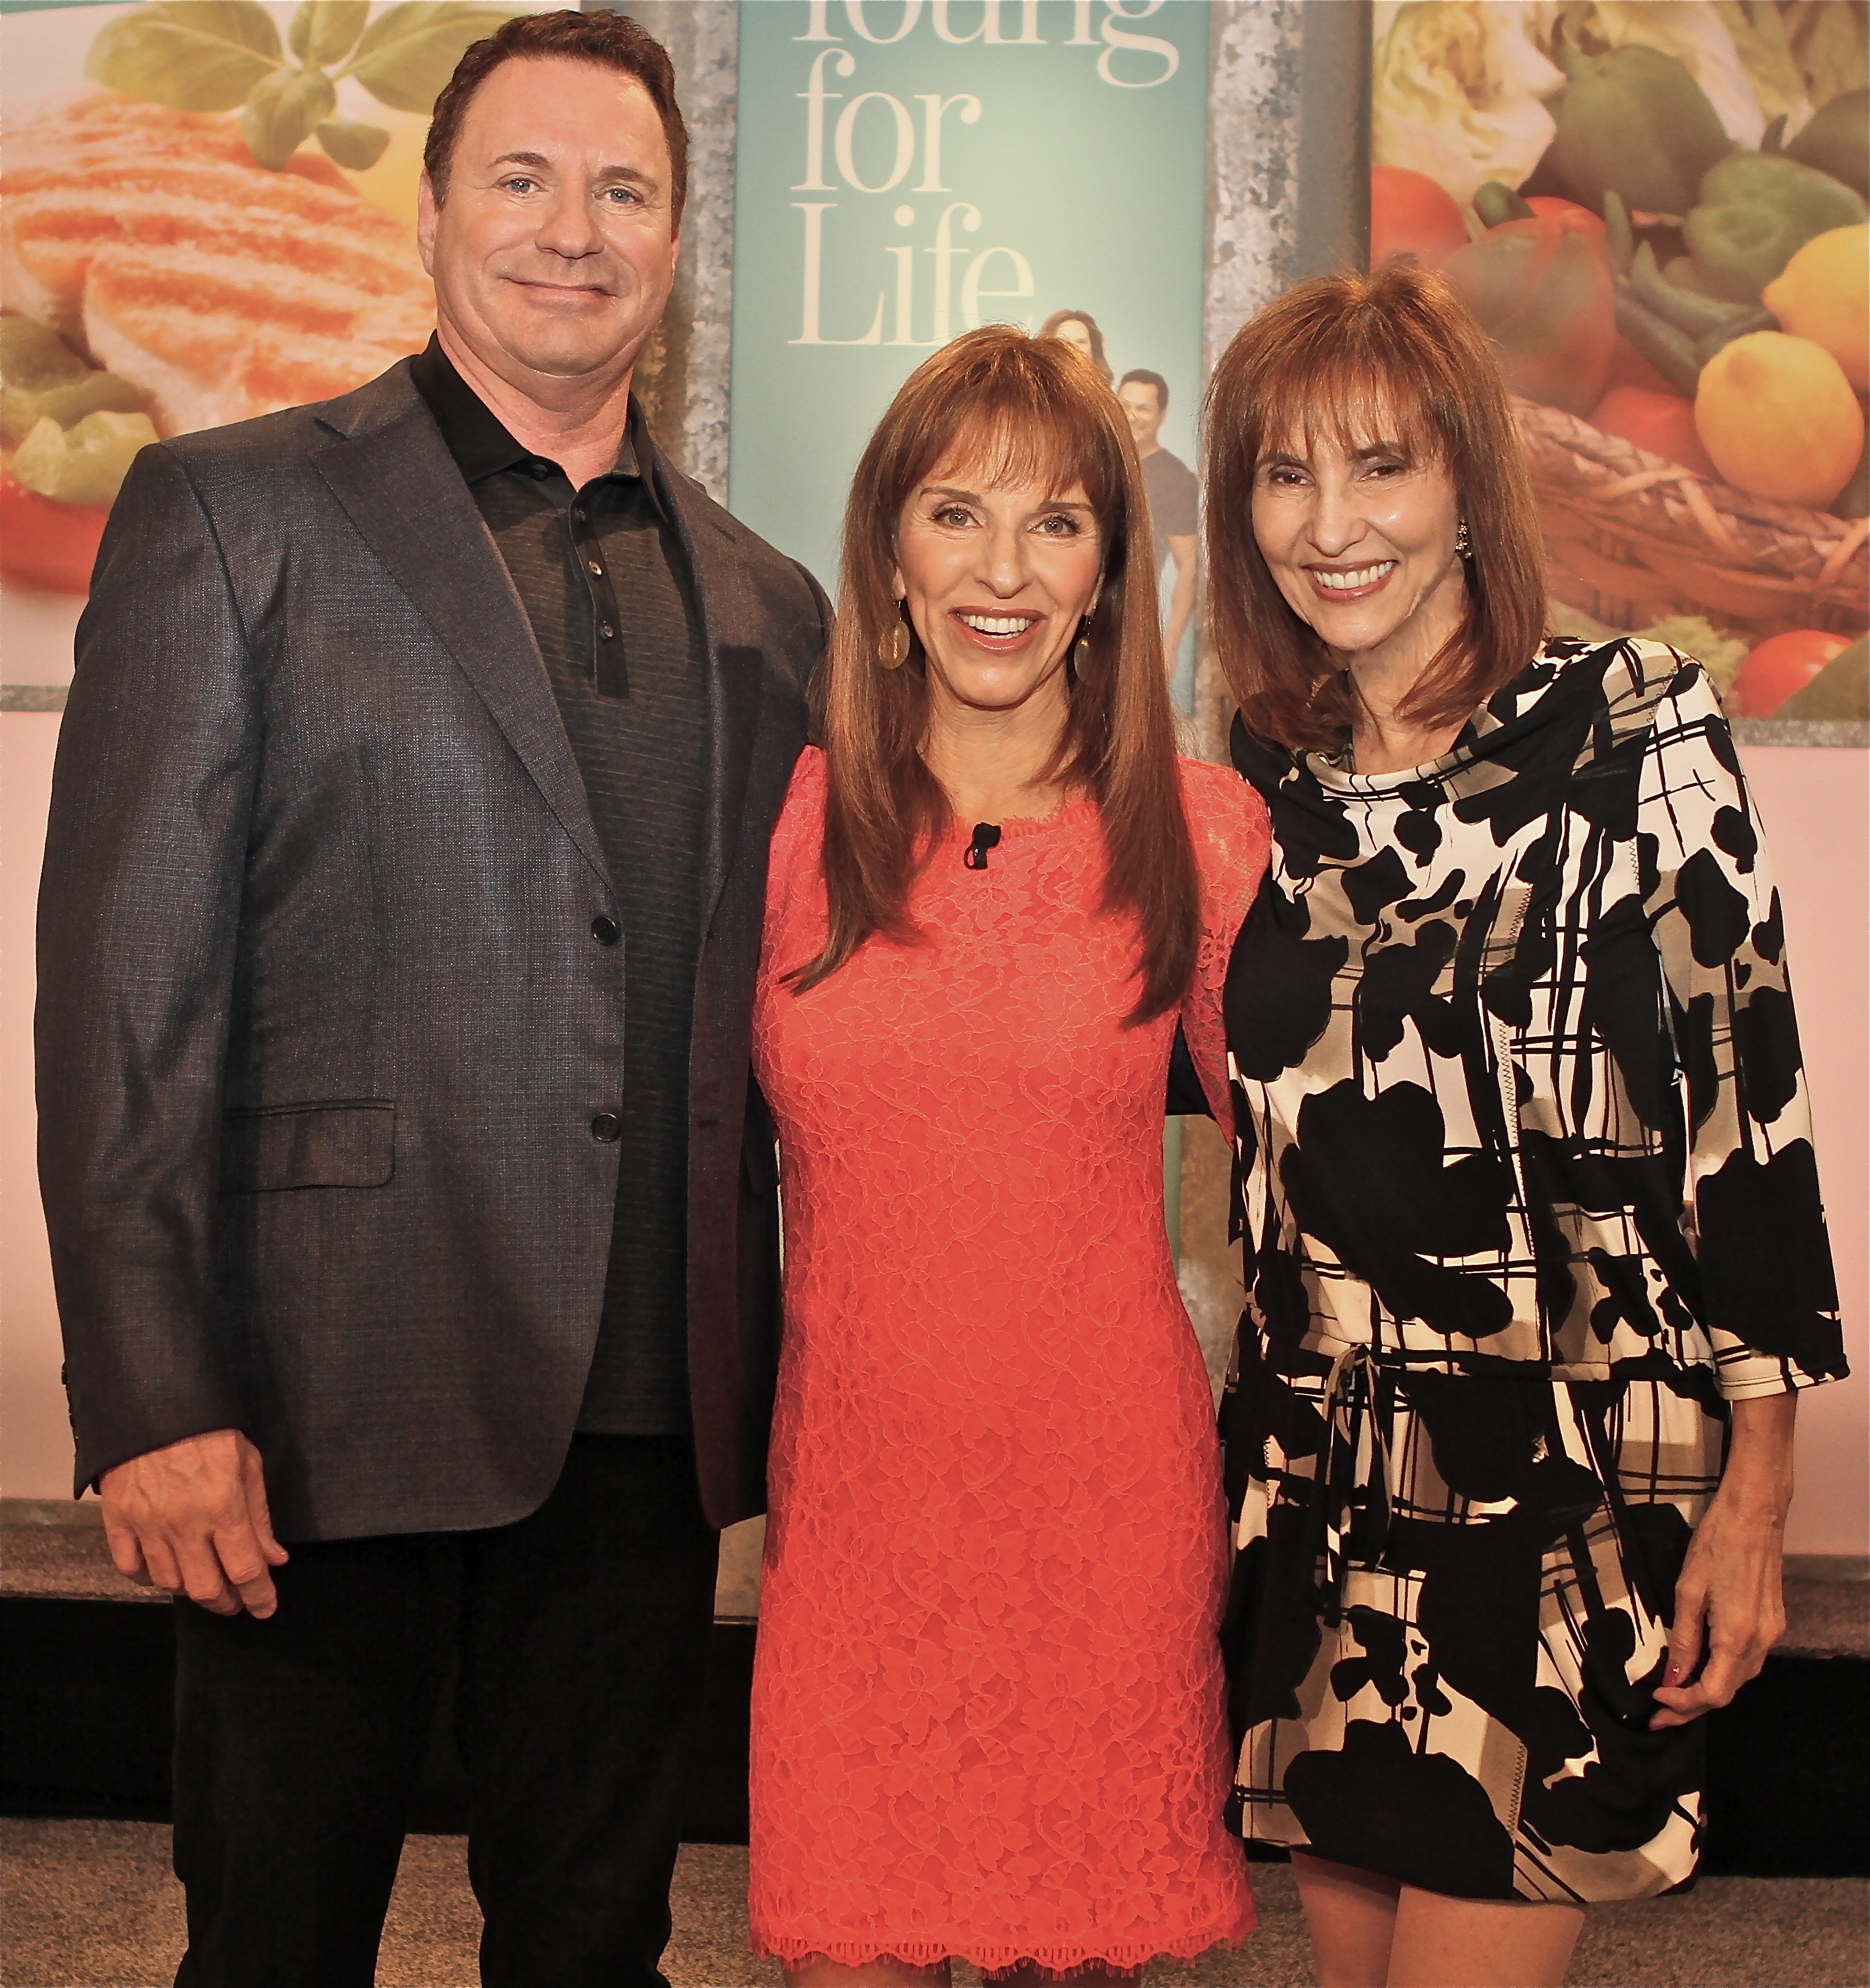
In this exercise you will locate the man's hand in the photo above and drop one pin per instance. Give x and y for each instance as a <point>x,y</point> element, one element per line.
<point>1728,1595</point>
<point>192,1519</point>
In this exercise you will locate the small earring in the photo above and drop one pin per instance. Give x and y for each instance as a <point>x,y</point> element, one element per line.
<point>1081,649</point>
<point>1464,545</point>
<point>893,650</point>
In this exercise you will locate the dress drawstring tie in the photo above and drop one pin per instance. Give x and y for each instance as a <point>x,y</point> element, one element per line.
<point>1350,1497</point>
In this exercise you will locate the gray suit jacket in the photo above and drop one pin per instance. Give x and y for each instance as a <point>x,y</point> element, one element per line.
<point>322,1027</point>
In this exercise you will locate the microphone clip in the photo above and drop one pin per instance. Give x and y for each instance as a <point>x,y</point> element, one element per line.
<point>986,835</point>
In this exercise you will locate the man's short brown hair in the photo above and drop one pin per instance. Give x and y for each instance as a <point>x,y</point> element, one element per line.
<point>610,41</point>
<point>1141,376</point>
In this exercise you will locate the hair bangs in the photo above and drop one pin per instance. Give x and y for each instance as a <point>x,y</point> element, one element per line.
<point>1021,425</point>
<point>1353,391</point>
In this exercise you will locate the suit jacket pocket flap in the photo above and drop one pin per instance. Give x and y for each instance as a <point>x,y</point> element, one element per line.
<point>347,1145</point>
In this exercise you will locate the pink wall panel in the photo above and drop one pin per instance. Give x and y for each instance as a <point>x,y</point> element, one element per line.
<point>1816,805</point>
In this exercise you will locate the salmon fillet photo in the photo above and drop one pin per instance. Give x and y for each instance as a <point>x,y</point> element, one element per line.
<point>145,244</point>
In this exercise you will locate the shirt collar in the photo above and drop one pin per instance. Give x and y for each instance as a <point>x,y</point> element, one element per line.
<point>478,440</point>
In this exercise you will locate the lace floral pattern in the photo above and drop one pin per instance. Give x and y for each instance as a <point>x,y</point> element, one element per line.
<point>987,1703</point>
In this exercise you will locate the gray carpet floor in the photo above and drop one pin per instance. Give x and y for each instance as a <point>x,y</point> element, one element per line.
<point>94,1903</point>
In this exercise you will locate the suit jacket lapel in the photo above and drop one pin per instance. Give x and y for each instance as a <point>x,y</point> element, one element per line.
<point>389,467</point>
<point>735,673</point>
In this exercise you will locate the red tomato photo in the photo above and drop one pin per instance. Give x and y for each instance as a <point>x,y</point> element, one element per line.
<point>1780,665</point>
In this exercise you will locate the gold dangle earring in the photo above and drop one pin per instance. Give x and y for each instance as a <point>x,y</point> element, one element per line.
<point>1464,545</point>
<point>893,650</point>
<point>1081,649</point>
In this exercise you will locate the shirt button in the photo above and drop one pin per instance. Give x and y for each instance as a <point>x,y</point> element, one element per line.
<point>595,567</point>
<point>606,1128</point>
<point>580,514</point>
<point>605,930</point>
<point>542,471</point>
<point>606,631</point>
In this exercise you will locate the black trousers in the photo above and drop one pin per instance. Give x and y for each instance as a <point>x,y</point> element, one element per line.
<point>579,1637</point>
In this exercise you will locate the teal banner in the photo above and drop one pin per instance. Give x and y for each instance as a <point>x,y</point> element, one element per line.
<point>910,169</point>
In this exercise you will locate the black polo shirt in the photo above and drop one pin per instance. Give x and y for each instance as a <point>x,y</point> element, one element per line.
<point>602,577</point>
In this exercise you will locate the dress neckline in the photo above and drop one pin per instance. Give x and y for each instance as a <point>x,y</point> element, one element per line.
<point>1023,827</point>
<point>1346,779</point>
<point>1523,706</point>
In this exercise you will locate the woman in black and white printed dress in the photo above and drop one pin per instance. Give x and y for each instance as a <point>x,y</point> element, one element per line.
<point>1533,1233</point>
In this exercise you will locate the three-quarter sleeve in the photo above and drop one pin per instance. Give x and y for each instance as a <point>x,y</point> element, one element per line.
<point>1750,1197</point>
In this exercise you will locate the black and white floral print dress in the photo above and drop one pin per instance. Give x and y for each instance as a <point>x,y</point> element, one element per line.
<point>1528,1195</point>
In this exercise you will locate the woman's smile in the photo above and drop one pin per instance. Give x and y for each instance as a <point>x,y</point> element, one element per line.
<point>1357,583</point>
<point>998,633</point>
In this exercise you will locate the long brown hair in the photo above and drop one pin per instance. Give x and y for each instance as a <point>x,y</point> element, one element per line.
<point>1025,410</point>
<point>1341,356</point>
<point>1055,324</point>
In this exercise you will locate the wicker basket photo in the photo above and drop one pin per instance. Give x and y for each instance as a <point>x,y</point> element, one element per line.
<point>1633,537</point>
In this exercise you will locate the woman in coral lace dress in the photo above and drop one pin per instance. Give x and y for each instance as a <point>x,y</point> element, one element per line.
<point>988,1710</point>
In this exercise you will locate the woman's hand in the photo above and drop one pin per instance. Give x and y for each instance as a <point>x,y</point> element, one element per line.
<point>1728,1597</point>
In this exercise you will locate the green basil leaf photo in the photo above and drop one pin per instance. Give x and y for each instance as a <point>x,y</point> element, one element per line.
<point>282,112</point>
<point>191,55</point>
<point>409,53</point>
<point>325,31</point>
<point>356,147</point>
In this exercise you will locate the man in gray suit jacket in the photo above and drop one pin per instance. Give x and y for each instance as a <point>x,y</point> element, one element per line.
<point>401,908</point>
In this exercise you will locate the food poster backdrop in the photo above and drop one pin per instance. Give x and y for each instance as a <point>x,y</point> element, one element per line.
<point>908,171</point>
<point>1658,209</point>
<point>209,213</point>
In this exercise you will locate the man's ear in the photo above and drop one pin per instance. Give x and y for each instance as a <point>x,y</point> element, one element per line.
<point>428,209</point>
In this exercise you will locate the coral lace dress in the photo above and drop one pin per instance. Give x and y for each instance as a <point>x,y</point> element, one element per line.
<point>987,1707</point>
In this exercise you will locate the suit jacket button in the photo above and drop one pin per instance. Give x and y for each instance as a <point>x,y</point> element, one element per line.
<point>605,930</point>
<point>606,1128</point>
